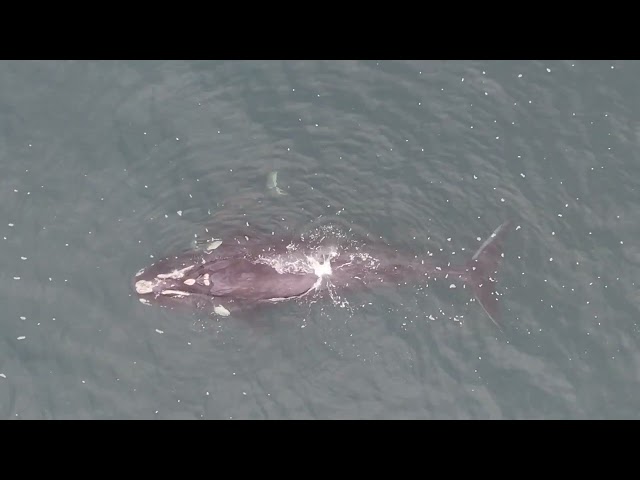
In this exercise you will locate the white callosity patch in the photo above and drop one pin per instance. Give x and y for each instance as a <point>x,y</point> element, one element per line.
<point>144,301</point>
<point>189,281</point>
<point>220,310</point>
<point>176,273</point>
<point>205,279</point>
<point>145,286</point>
<point>177,293</point>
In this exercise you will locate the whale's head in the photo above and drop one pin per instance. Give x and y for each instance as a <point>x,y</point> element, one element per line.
<point>178,280</point>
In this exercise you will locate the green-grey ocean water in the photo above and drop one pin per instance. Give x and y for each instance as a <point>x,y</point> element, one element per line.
<point>108,165</point>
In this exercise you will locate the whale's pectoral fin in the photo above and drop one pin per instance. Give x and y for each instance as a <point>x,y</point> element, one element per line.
<point>483,269</point>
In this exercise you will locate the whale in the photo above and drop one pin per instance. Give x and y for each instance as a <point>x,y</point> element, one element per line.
<point>233,273</point>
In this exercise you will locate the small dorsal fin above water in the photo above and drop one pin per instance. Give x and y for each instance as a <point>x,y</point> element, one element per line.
<point>272,183</point>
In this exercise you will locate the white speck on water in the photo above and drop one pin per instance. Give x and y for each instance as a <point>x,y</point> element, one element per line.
<point>177,138</point>
<point>452,285</point>
<point>16,278</point>
<point>159,331</point>
<point>522,175</point>
<point>23,318</point>
<point>551,259</point>
<point>179,212</point>
<point>548,70</point>
<point>21,337</point>
<point>23,258</point>
<point>519,75</point>
<point>10,224</point>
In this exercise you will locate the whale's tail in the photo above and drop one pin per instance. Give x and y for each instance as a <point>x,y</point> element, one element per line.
<point>483,271</point>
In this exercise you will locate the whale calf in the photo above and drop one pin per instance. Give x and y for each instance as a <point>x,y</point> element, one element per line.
<point>238,271</point>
